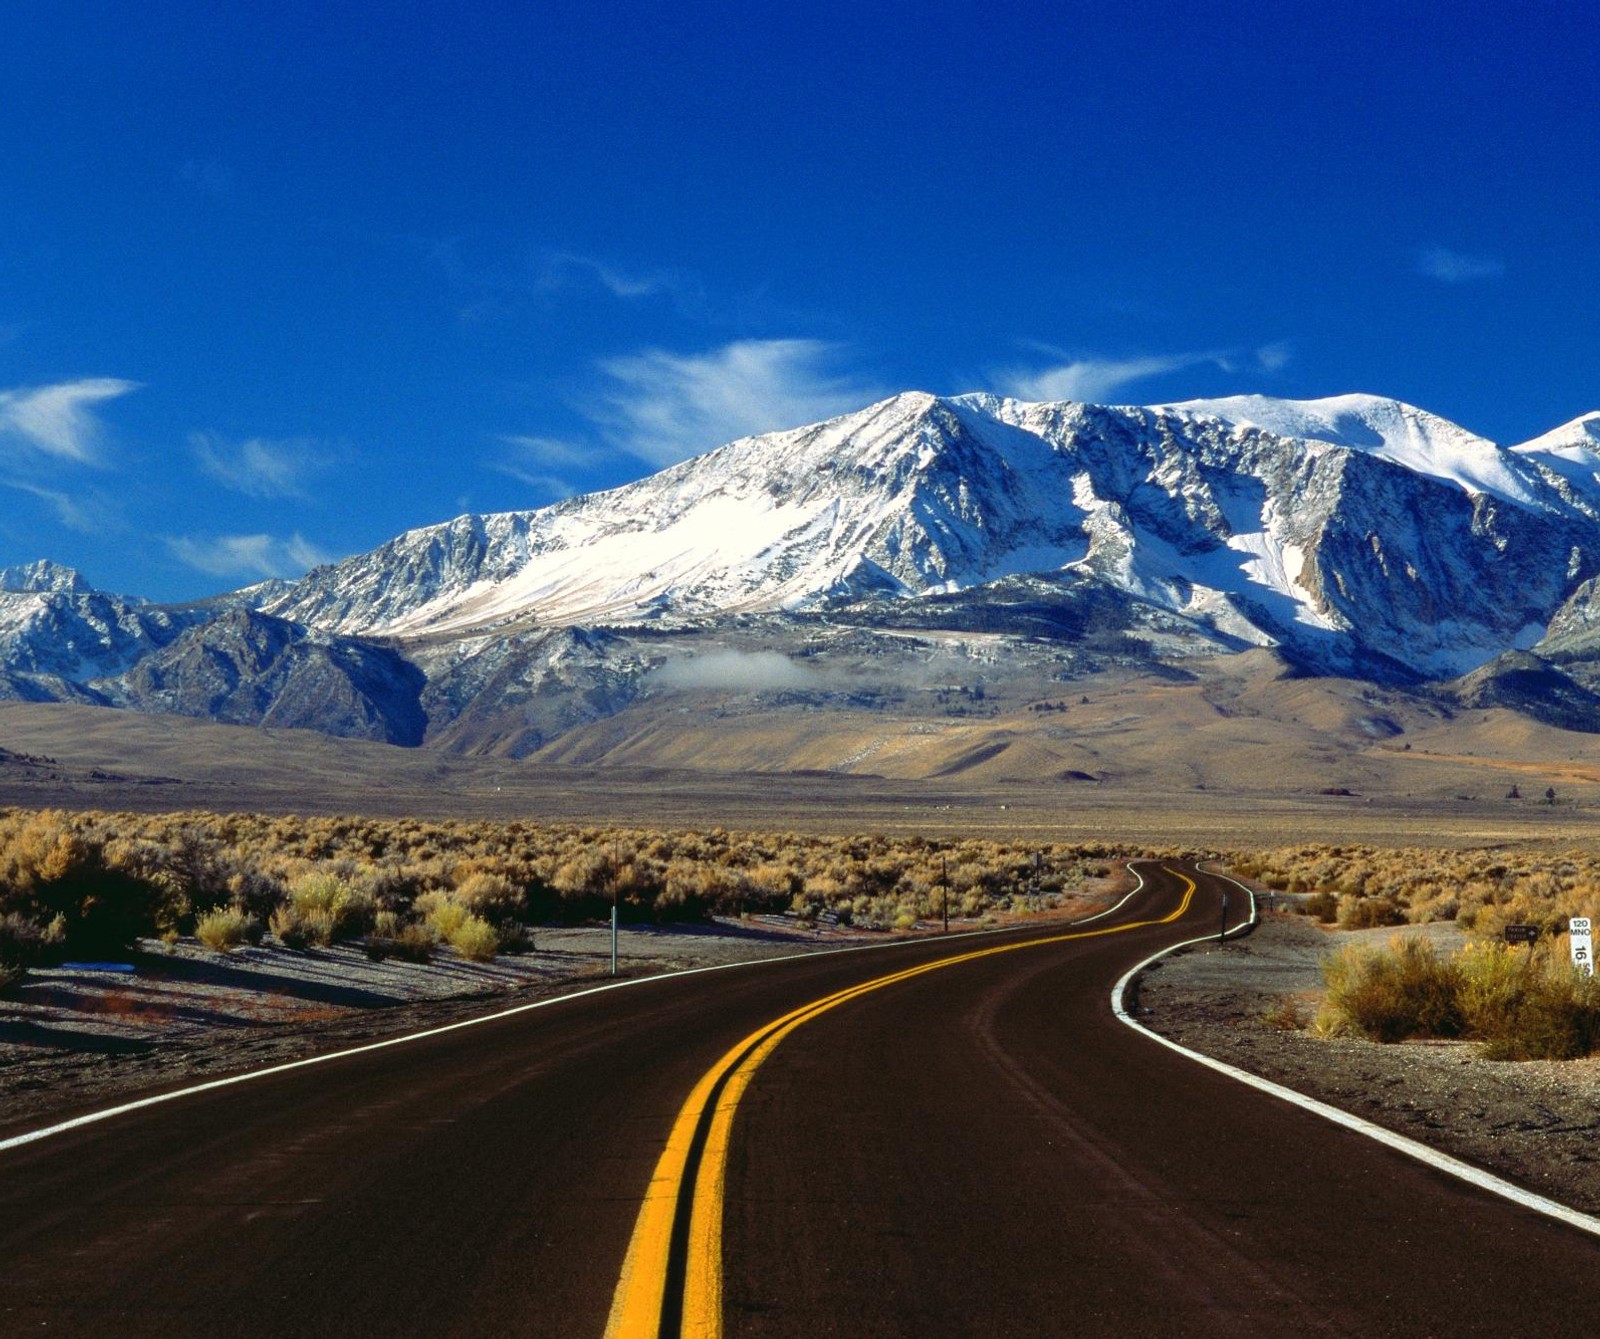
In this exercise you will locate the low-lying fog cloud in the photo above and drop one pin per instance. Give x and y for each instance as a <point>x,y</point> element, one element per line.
<point>744,671</point>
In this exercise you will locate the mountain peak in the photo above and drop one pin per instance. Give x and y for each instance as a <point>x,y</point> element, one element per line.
<point>1570,441</point>
<point>1389,429</point>
<point>42,578</point>
<point>1229,511</point>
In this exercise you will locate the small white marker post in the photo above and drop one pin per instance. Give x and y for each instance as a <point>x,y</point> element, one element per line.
<point>616,899</point>
<point>1581,932</point>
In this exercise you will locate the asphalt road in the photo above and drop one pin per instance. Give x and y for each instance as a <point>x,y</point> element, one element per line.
<point>980,1149</point>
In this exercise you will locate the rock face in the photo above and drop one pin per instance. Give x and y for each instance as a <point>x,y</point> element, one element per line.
<point>1533,686</point>
<point>1354,536</point>
<point>246,668</point>
<point>58,634</point>
<point>511,695</point>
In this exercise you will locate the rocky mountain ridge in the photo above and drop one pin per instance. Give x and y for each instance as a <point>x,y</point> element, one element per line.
<point>1356,536</point>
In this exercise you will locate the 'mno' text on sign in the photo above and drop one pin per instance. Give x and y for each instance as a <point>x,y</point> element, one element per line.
<point>1582,936</point>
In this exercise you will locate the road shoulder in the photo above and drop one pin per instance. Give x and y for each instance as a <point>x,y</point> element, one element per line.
<point>1536,1123</point>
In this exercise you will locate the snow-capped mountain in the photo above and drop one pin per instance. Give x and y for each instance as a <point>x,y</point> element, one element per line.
<point>1347,528</point>
<point>57,632</point>
<point>1355,535</point>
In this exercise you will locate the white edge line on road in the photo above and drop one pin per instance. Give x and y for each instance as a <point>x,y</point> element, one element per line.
<point>1431,1157</point>
<point>93,1117</point>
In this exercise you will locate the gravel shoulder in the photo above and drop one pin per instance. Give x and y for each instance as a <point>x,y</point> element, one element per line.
<point>1534,1122</point>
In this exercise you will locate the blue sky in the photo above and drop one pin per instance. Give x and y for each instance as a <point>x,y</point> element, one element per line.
<point>280,281</point>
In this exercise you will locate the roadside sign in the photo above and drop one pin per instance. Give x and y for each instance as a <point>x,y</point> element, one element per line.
<point>1582,935</point>
<point>1521,934</point>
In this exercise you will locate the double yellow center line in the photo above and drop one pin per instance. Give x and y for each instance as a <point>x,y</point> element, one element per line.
<point>671,1280</point>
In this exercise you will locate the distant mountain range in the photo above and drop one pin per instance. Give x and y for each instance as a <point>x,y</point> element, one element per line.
<point>846,562</point>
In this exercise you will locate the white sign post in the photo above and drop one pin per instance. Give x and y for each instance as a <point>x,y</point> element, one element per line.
<point>1582,935</point>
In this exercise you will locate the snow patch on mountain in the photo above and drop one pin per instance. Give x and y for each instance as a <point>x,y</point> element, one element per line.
<point>1359,529</point>
<point>1569,458</point>
<point>1389,429</point>
<point>1578,440</point>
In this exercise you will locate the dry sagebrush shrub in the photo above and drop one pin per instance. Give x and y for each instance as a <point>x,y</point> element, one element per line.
<point>56,877</point>
<point>1520,1004</point>
<point>403,883</point>
<point>1483,890</point>
<point>1389,994</point>
<point>1529,1004</point>
<point>224,929</point>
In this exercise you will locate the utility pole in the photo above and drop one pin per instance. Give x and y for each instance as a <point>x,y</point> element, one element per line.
<point>944,884</point>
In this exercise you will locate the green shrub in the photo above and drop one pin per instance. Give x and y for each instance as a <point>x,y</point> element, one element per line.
<point>474,938</point>
<point>223,929</point>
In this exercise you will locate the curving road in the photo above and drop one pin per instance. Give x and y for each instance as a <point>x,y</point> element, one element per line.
<point>979,1148</point>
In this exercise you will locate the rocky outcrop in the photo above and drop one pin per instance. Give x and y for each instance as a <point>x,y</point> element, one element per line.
<point>1525,683</point>
<point>246,668</point>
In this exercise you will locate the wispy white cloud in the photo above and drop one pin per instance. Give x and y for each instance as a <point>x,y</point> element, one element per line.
<point>536,461</point>
<point>259,467</point>
<point>303,554</point>
<point>498,285</point>
<point>564,269</point>
<point>247,555</point>
<point>58,420</point>
<point>552,486</point>
<point>551,452</point>
<point>1457,267</point>
<point>1098,380</point>
<point>1275,357</point>
<point>83,515</point>
<point>665,407</point>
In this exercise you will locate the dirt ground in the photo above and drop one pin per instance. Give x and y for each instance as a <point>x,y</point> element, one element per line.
<point>1534,1122</point>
